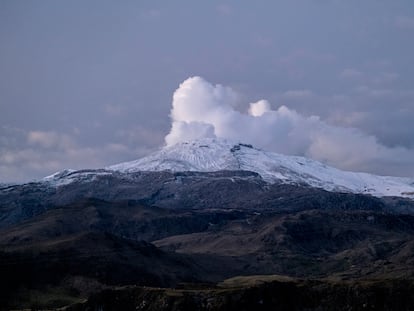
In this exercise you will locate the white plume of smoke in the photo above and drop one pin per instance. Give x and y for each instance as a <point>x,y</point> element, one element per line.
<point>200,109</point>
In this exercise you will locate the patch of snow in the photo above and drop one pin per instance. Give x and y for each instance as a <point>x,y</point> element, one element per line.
<point>212,154</point>
<point>69,176</point>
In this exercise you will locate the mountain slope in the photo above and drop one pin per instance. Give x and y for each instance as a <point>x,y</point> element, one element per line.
<point>217,154</point>
<point>199,212</point>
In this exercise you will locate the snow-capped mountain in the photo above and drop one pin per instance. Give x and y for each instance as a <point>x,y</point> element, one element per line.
<point>217,154</point>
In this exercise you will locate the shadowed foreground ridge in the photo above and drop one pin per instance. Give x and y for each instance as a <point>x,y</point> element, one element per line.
<point>225,240</point>
<point>292,294</point>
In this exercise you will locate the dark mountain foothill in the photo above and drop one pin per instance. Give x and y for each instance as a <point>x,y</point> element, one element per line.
<point>223,240</point>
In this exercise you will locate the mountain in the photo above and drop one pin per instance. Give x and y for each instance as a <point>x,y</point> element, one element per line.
<point>213,154</point>
<point>209,173</point>
<point>195,214</point>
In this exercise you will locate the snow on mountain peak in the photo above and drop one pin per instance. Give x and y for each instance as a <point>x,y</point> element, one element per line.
<point>207,154</point>
<point>214,154</point>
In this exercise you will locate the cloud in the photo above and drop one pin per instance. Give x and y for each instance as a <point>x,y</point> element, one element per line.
<point>26,155</point>
<point>259,108</point>
<point>113,110</point>
<point>151,14</point>
<point>200,109</point>
<point>224,9</point>
<point>369,77</point>
<point>297,94</point>
<point>351,73</point>
<point>385,77</point>
<point>405,22</point>
<point>50,139</point>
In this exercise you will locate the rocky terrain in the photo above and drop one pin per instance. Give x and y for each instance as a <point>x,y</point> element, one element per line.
<point>224,240</point>
<point>261,293</point>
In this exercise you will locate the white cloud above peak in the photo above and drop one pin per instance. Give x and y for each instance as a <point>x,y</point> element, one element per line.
<point>201,109</point>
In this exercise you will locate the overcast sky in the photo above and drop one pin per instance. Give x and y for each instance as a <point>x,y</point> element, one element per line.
<point>85,84</point>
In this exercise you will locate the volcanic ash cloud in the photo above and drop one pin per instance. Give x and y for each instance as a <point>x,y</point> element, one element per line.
<point>201,109</point>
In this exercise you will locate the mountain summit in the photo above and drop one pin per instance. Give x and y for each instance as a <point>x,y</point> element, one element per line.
<point>213,154</point>
<point>200,212</point>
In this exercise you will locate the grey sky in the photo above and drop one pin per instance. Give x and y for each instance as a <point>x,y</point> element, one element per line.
<point>90,83</point>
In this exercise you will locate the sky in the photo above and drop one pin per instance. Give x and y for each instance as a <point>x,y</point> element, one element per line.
<point>88,83</point>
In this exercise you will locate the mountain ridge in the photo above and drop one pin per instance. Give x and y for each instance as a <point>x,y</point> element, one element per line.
<point>151,226</point>
<point>213,154</point>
